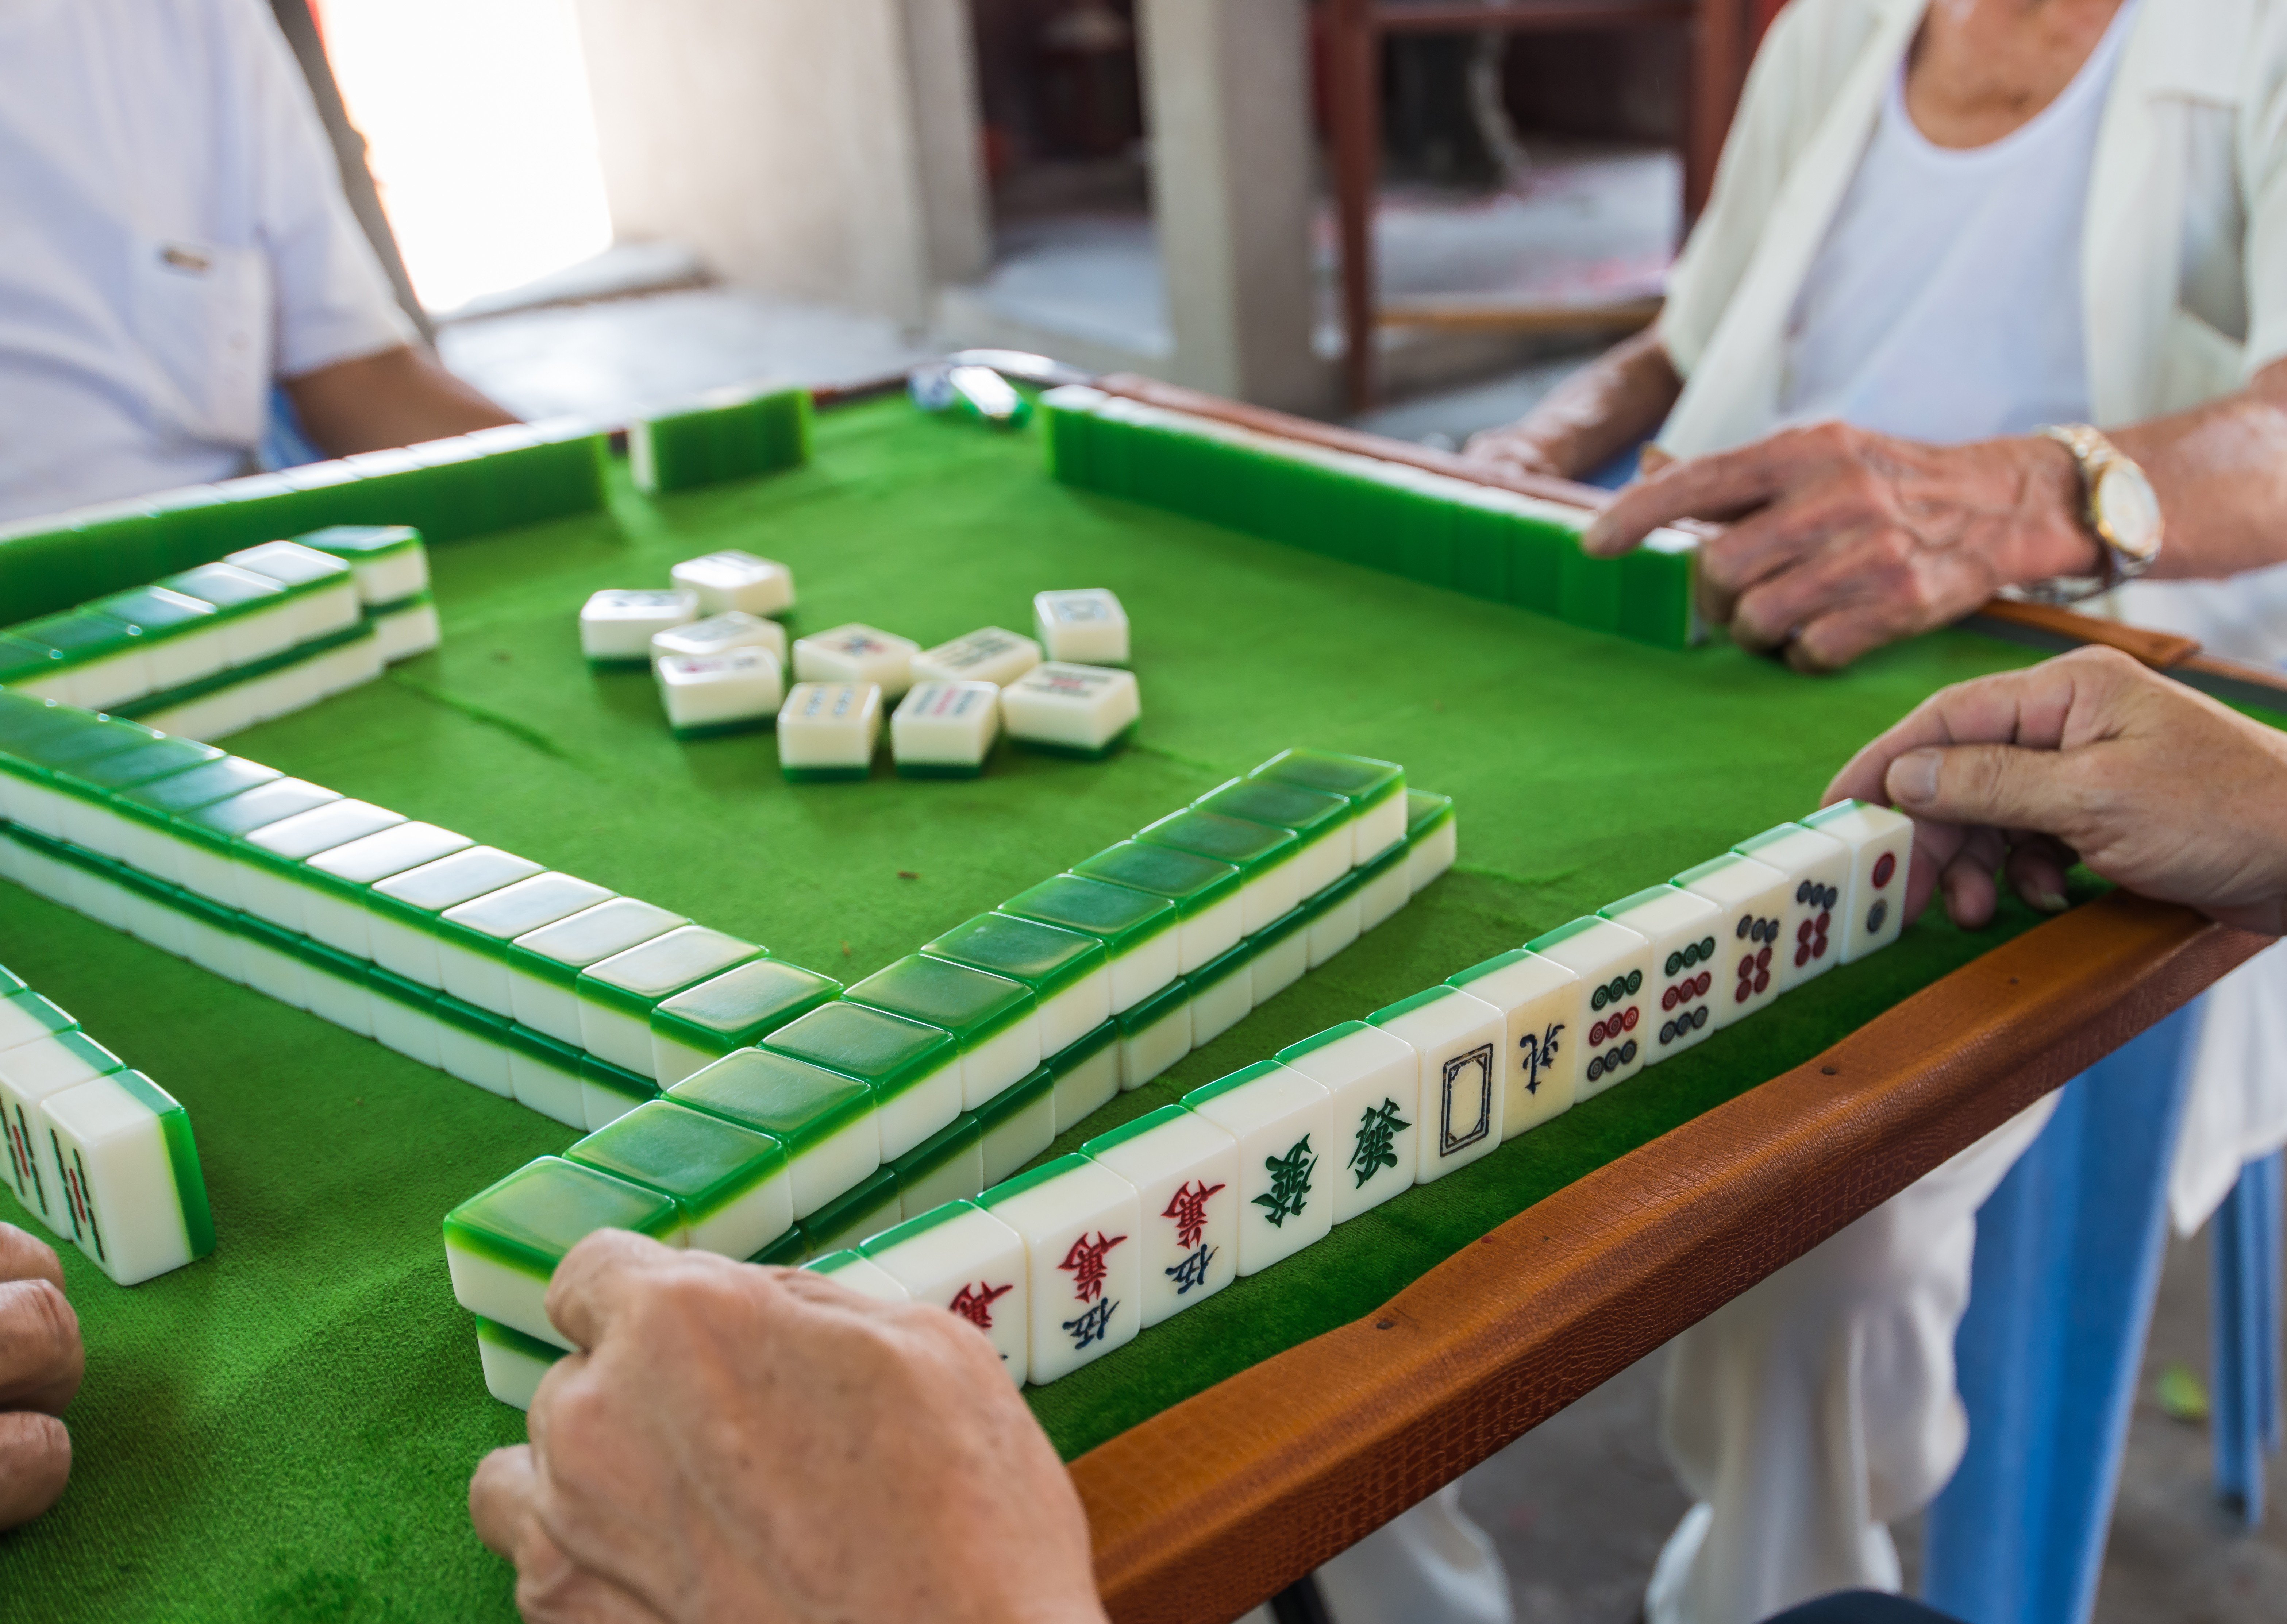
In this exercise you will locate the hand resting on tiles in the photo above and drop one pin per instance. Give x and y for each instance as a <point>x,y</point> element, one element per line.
<point>737,1441</point>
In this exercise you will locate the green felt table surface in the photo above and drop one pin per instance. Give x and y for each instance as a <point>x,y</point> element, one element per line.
<point>285,1428</point>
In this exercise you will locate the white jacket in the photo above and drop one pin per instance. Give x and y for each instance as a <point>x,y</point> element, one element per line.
<point>2184,256</point>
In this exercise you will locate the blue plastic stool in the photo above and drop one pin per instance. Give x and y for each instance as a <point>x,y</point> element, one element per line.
<point>2244,1254</point>
<point>2068,1262</point>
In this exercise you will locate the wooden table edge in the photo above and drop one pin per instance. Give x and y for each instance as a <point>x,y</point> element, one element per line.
<point>1220,1501</point>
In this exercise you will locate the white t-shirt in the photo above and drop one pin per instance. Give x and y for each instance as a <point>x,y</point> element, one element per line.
<point>1944,304</point>
<point>173,237</point>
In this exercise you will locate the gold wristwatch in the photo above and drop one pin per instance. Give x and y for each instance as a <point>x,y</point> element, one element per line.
<point>2119,508</point>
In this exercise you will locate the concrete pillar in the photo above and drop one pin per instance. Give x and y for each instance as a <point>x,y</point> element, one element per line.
<point>1227,84</point>
<point>821,151</point>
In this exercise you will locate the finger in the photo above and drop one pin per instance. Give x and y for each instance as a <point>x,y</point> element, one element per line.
<point>500,1498</point>
<point>41,1360</point>
<point>552,1589</point>
<point>1999,784</point>
<point>1970,893</point>
<point>1935,847</point>
<point>2037,867</point>
<point>35,1465</point>
<point>596,1279</point>
<point>1652,460</point>
<point>2030,707</point>
<point>1833,640</point>
<point>23,1256</point>
<point>1713,487</point>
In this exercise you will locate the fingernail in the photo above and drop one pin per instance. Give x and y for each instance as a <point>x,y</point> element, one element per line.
<point>1913,777</point>
<point>1592,539</point>
<point>2047,900</point>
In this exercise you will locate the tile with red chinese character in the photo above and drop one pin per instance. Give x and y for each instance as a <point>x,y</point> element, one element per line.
<point>1185,1171</point>
<point>1081,1224</point>
<point>1285,1125</point>
<point>962,1258</point>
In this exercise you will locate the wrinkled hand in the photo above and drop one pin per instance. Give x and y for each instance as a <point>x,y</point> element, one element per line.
<point>2087,757</point>
<point>750,1443</point>
<point>41,1362</point>
<point>1842,539</point>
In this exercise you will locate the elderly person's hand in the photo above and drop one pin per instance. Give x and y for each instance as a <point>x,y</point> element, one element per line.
<point>1842,539</point>
<point>2088,756</point>
<point>741,1442</point>
<point>41,1362</point>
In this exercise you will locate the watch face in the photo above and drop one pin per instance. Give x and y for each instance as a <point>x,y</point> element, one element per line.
<point>2127,511</point>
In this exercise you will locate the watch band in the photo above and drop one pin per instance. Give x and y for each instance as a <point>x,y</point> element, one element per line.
<point>2093,454</point>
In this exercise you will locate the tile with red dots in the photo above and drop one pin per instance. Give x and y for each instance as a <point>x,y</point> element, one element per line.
<point>1752,898</point>
<point>1682,928</point>
<point>1817,868</point>
<point>1615,969</point>
<point>1881,845</point>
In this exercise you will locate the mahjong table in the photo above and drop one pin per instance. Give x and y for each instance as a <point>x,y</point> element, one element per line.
<point>285,1428</point>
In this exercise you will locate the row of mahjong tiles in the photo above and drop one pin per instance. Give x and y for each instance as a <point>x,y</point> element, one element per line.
<point>96,1150</point>
<point>1229,1181</point>
<point>580,1003</point>
<point>260,632</point>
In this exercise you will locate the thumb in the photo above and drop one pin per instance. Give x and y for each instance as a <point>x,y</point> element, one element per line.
<point>2000,785</point>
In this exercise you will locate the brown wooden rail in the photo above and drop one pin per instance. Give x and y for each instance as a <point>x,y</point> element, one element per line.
<point>1219,1503</point>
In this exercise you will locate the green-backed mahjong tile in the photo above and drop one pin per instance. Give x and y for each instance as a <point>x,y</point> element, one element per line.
<point>787,1250</point>
<point>617,995</point>
<point>735,1010</point>
<point>914,1069</point>
<point>947,1166</point>
<point>994,1021</point>
<point>502,1244</point>
<point>1018,1125</point>
<point>1139,929</point>
<point>1311,814</point>
<point>26,1016</point>
<point>1254,848</point>
<point>857,1214</point>
<point>1067,971</point>
<point>824,1119</point>
<point>137,1197</point>
<point>608,1093</point>
<point>728,1181</point>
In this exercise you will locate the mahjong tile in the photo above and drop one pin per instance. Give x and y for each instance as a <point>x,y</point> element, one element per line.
<point>857,654</point>
<point>732,580</point>
<point>949,1165</point>
<point>1374,789</point>
<point>1284,1126</point>
<point>1541,1003</point>
<point>617,624</point>
<point>1186,1174</point>
<point>964,1260</point>
<point>473,937</point>
<point>1320,823</point>
<point>1085,624</point>
<point>720,633</point>
<point>615,995</point>
<point>1081,1224</point>
<point>404,909</point>
<point>1154,1035</point>
<point>913,1070</point>
<point>1265,854</point>
<point>1881,843</point>
<point>945,729</point>
<point>1065,970</point>
<point>711,696</point>
<point>1085,711</point>
<point>1018,1125</point>
<point>1462,1049</point>
<point>825,1121</point>
<point>1375,1079</point>
<point>853,1272</point>
<point>1817,867</point>
<point>994,1021</point>
<point>1140,930</point>
<point>1615,967</point>
<point>728,1182</point>
<point>735,1010</point>
<point>502,1244</point>
<point>828,731</point>
<point>987,655</point>
<point>1431,838</point>
<point>1087,1076</point>
<point>1686,955</point>
<point>1206,894</point>
<point>1753,899</point>
<point>544,965</point>
<point>133,1192</point>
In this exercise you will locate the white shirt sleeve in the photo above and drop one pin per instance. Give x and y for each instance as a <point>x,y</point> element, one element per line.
<point>1754,167</point>
<point>2263,164</point>
<point>331,301</point>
